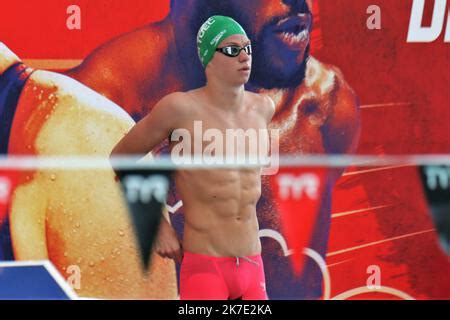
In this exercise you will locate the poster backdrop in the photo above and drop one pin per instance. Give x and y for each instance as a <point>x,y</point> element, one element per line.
<point>365,89</point>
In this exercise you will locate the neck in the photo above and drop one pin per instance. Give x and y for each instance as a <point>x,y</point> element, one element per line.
<point>224,96</point>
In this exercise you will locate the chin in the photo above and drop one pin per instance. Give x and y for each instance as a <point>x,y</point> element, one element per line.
<point>242,80</point>
<point>240,83</point>
<point>245,81</point>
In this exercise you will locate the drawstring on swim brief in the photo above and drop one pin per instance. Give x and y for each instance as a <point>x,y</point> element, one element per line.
<point>246,259</point>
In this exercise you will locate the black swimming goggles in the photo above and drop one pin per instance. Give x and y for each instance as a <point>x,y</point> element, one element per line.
<point>234,51</point>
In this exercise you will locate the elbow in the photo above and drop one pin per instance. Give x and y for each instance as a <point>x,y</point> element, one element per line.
<point>113,153</point>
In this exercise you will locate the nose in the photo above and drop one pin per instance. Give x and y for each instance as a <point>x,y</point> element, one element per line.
<point>243,56</point>
<point>297,5</point>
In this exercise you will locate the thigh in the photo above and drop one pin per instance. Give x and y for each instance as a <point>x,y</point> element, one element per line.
<point>257,283</point>
<point>202,286</point>
<point>201,280</point>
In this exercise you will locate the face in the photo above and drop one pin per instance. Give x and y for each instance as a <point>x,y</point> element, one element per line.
<point>232,70</point>
<point>279,29</point>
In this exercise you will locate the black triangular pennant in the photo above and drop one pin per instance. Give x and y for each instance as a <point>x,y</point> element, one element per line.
<point>145,192</point>
<point>436,183</point>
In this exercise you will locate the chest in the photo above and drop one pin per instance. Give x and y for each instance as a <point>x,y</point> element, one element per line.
<point>217,120</point>
<point>217,133</point>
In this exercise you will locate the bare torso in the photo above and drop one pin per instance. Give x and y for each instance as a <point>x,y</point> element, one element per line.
<point>220,204</point>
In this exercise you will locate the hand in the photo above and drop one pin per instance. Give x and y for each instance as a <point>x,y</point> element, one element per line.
<point>167,244</point>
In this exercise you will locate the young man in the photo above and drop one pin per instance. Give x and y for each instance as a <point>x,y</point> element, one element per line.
<point>221,258</point>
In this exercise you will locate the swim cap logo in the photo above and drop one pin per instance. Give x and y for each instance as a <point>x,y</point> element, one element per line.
<point>211,32</point>
<point>215,41</point>
<point>205,28</point>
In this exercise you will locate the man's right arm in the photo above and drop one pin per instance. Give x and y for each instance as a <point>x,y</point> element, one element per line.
<point>141,139</point>
<point>152,129</point>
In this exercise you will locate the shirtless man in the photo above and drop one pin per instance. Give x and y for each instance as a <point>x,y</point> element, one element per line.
<point>222,250</point>
<point>316,110</point>
<point>72,218</point>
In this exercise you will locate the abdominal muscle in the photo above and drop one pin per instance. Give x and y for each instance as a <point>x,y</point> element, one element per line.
<point>220,211</point>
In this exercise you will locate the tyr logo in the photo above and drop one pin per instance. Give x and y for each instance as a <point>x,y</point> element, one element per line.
<point>296,186</point>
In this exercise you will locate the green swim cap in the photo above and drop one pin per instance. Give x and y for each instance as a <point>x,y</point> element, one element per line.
<point>212,32</point>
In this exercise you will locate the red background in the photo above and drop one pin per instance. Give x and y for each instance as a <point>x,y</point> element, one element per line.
<point>379,216</point>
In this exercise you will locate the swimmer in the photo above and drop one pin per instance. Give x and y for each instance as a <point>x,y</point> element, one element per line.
<point>220,252</point>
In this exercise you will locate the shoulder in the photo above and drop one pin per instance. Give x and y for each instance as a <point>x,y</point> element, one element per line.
<point>265,105</point>
<point>174,98</point>
<point>174,104</point>
<point>139,49</point>
<point>101,119</point>
<point>126,55</point>
<point>134,45</point>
